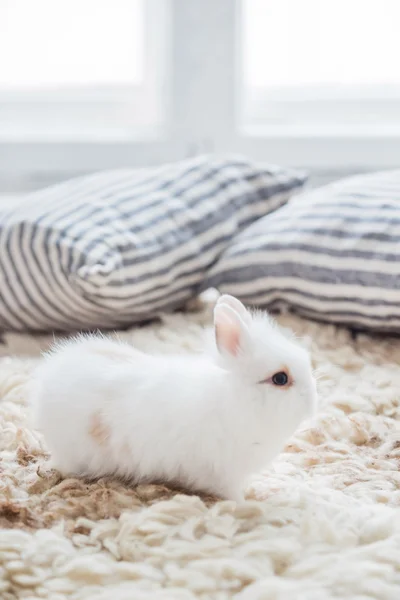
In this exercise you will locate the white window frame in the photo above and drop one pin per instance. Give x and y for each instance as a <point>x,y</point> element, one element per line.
<point>356,109</point>
<point>202,95</point>
<point>96,112</point>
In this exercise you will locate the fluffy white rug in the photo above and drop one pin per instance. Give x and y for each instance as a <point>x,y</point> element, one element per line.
<point>322,522</point>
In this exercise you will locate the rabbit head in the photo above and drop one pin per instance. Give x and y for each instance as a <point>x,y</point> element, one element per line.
<point>267,364</point>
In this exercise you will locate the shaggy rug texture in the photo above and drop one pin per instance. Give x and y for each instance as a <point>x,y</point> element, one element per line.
<point>322,522</point>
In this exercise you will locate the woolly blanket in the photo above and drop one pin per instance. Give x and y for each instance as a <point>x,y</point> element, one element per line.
<point>322,522</point>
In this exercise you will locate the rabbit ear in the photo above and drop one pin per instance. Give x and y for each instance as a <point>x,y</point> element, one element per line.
<point>237,306</point>
<point>230,329</point>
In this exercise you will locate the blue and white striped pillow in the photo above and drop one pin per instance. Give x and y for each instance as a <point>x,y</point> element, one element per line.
<point>116,247</point>
<point>331,254</point>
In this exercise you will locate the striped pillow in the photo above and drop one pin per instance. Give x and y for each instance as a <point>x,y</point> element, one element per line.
<point>332,254</point>
<point>116,247</point>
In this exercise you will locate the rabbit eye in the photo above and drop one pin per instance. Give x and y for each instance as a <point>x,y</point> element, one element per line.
<point>280,378</point>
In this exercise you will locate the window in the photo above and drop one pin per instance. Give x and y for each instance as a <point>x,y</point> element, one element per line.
<point>330,65</point>
<point>94,84</point>
<point>80,68</point>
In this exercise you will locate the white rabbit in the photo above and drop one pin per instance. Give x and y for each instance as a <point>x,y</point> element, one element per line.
<point>206,422</point>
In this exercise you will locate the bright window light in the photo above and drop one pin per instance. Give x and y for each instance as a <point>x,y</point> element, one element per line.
<point>47,44</point>
<point>321,42</point>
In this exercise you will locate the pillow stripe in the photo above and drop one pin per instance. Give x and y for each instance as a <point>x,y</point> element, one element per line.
<point>279,293</point>
<point>352,210</point>
<point>66,196</point>
<point>333,306</point>
<point>33,307</point>
<point>55,284</point>
<point>16,296</point>
<point>385,323</point>
<point>250,287</point>
<point>384,256</point>
<point>368,271</point>
<point>34,284</point>
<point>111,248</point>
<point>210,245</point>
<point>367,216</point>
<point>331,253</point>
<point>115,182</point>
<point>59,254</point>
<point>19,287</point>
<point>354,321</point>
<point>334,230</point>
<point>195,262</point>
<point>89,213</point>
<point>135,225</point>
<point>76,197</point>
<point>258,211</point>
<point>169,258</point>
<point>330,224</point>
<point>334,274</point>
<point>323,243</point>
